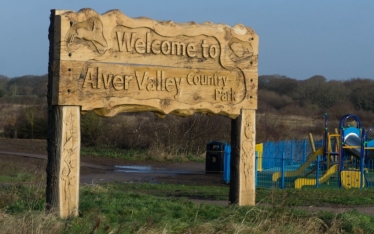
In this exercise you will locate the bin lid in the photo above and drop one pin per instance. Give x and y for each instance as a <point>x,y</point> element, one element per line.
<point>215,145</point>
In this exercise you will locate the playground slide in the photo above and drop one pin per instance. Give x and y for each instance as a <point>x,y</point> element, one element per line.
<point>306,181</point>
<point>352,139</point>
<point>311,158</point>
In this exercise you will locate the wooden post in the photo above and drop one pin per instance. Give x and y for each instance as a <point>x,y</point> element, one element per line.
<point>62,191</point>
<point>64,161</point>
<point>242,182</point>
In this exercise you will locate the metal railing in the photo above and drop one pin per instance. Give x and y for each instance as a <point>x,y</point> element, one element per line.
<point>293,151</point>
<point>292,164</point>
<point>294,173</point>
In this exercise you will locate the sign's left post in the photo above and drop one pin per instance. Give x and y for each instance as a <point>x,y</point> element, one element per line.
<point>63,167</point>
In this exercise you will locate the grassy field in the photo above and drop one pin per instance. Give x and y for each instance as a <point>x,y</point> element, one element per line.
<point>166,208</point>
<point>138,155</point>
<point>172,208</point>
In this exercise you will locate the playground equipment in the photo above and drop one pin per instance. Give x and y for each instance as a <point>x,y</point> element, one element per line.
<point>342,158</point>
<point>311,182</point>
<point>356,151</point>
<point>311,157</point>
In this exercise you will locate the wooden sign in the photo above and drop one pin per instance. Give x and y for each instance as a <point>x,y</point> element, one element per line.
<point>111,63</point>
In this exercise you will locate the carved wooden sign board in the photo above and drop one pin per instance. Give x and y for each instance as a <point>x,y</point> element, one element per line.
<point>111,63</point>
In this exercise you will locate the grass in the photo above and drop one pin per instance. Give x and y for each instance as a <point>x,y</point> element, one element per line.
<point>113,153</point>
<point>12,173</point>
<point>178,191</point>
<point>139,155</point>
<point>15,177</point>
<point>167,208</point>
<point>318,197</point>
<point>162,208</point>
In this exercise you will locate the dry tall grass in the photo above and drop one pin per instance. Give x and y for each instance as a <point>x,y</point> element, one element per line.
<point>30,222</point>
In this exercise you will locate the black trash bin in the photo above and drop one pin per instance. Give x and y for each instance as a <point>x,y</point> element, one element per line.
<point>214,157</point>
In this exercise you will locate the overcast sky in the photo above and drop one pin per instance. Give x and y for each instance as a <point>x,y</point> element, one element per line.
<point>298,38</point>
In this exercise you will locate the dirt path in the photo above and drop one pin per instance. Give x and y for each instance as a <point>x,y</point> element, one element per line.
<point>44,157</point>
<point>124,172</point>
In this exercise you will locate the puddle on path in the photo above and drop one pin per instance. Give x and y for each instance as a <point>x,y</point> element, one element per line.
<point>133,168</point>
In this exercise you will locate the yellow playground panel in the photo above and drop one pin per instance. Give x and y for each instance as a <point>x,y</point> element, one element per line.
<point>259,149</point>
<point>309,181</point>
<point>351,179</point>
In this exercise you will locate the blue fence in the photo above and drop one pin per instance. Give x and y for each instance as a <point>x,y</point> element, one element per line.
<point>293,151</point>
<point>296,175</point>
<point>285,165</point>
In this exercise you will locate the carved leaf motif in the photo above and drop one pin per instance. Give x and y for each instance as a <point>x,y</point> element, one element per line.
<point>248,129</point>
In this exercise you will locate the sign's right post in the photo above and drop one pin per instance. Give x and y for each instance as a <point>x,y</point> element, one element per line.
<point>242,182</point>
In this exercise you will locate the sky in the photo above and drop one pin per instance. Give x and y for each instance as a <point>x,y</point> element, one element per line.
<point>298,38</point>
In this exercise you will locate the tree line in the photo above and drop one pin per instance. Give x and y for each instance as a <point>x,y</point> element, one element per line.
<point>23,107</point>
<point>275,91</point>
<point>23,86</point>
<point>316,92</point>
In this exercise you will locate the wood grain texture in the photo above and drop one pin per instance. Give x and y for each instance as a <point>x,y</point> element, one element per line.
<point>247,190</point>
<point>111,63</point>
<point>242,180</point>
<point>69,161</point>
<point>62,191</point>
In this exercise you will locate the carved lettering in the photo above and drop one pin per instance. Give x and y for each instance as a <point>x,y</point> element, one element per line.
<point>214,80</point>
<point>169,84</point>
<point>148,43</point>
<point>213,51</point>
<point>223,95</point>
<point>127,81</point>
<point>204,47</point>
<point>89,80</point>
<point>140,46</point>
<point>118,82</point>
<point>130,42</point>
<point>156,46</point>
<point>160,81</point>
<point>165,47</point>
<point>151,86</point>
<point>178,81</point>
<point>96,79</point>
<point>107,79</point>
<point>191,50</point>
<point>178,48</point>
<point>127,39</point>
<point>141,84</point>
